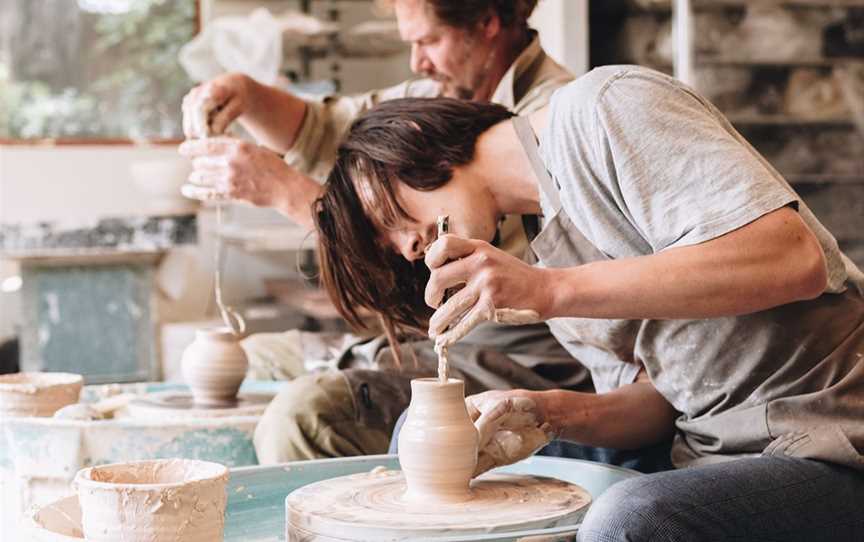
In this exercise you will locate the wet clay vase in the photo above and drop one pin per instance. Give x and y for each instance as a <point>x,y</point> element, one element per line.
<point>153,501</point>
<point>214,366</point>
<point>438,443</point>
<point>38,394</point>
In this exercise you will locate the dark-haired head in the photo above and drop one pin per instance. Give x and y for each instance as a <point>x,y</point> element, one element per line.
<point>415,143</point>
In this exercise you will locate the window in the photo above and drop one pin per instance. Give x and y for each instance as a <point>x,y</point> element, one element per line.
<point>93,70</point>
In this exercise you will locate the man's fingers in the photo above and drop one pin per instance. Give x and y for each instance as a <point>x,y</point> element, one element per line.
<point>222,117</point>
<point>455,307</point>
<point>193,148</point>
<point>208,179</point>
<point>446,277</point>
<point>489,422</point>
<point>481,312</point>
<point>448,247</point>
<point>210,163</point>
<point>202,193</point>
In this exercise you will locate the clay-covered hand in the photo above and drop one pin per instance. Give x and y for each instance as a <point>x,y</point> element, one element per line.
<point>497,288</point>
<point>210,107</point>
<point>230,168</point>
<point>512,426</point>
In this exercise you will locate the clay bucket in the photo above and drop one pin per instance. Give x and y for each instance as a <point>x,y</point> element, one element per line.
<point>176,500</point>
<point>38,394</point>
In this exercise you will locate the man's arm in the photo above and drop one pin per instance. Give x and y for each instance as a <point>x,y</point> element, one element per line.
<point>772,261</point>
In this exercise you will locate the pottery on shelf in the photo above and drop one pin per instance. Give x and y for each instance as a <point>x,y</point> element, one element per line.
<point>438,443</point>
<point>38,394</point>
<point>214,366</point>
<point>160,500</point>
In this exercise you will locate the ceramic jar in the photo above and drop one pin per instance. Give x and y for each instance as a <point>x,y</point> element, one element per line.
<point>214,366</point>
<point>438,443</point>
<point>157,500</point>
<point>38,394</point>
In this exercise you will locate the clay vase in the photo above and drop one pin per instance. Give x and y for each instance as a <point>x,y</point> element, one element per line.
<point>438,443</point>
<point>214,366</point>
<point>153,501</point>
<point>38,394</point>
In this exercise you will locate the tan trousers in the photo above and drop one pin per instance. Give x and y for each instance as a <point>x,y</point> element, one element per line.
<point>313,417</point>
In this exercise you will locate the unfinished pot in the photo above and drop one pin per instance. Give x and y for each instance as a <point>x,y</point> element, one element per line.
<point>214,366</point>
<point>176,500</point>
<point>38,394</point>
<point>438,443</point>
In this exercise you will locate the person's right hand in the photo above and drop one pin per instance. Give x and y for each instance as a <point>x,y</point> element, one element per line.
<point>210,107</point>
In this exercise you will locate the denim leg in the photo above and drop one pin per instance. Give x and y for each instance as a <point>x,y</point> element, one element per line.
<point>761,498</point>
<point>649,459</point>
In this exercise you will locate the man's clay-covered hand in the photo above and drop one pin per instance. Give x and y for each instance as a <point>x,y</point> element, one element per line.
<point>511,425</point>
<point>230,168</point>
<point>211,107</point>
<point>498,287</point>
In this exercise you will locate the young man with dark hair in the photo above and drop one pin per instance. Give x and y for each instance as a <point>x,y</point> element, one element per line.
<point>477,49</point>
<point>672,260</point>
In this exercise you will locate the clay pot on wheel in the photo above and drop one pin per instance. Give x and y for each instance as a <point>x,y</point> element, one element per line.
<point>214,366</point>
<point>438,443</point>
<point>147,501</point>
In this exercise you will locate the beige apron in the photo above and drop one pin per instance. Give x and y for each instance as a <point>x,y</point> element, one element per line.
<point>785,381</point>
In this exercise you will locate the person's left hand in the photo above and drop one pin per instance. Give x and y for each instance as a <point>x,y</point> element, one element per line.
<point>512,426</point>
<point>230,168</point>
<point>498,288</point>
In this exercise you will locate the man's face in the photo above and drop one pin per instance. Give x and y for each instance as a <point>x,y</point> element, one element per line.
<point>458,58</point>
<point>471,211</point>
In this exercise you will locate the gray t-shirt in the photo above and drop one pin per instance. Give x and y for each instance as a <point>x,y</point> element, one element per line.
<point>644,164</point>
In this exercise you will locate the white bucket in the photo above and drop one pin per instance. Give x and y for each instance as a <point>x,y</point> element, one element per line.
<point>38,394</point>
<point>151,501</point>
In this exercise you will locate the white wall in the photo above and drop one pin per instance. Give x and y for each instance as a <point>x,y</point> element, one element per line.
<point>563,28</point>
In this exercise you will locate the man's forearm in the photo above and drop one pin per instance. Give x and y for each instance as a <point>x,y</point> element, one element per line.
<point>630,417</point>
<point>298,197</point>
<point>770,262</point>
<point>274,117</point>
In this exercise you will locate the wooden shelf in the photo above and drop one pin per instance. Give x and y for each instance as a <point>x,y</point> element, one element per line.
<point>770,63</point>
<point>787,120</point>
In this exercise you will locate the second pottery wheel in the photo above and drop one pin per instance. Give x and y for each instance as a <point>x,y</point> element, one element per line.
<point>370,506</point>
<point>181,404</point>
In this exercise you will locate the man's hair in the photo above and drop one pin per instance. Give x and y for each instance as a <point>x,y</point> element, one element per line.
<point>467,13</point>
<point>414,141</point>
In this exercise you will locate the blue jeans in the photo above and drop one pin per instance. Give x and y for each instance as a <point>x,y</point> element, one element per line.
<point>650,459</point>
<point>762,498</point>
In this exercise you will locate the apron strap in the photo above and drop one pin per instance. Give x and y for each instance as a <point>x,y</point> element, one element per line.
<point>529,142</point>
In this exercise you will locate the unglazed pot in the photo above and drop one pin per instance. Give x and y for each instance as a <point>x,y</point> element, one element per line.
<point>38,394</point>
<point>214,366</point>
<point>177,500</point>
<point>438,443</point>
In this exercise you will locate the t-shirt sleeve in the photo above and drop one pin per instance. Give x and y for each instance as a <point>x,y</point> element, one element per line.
<point>675,167</point>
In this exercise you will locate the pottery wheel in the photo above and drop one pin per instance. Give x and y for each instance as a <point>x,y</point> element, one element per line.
<point>182,405</point>
<point>370,506</point>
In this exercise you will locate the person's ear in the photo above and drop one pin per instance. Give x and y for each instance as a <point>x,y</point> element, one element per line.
<point>491,25</point>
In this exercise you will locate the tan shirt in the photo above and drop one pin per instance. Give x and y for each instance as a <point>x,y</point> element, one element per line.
<point>526,87</point>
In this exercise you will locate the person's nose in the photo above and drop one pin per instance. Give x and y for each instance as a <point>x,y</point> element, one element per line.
<point>410,245</point>
<point>419,62</point>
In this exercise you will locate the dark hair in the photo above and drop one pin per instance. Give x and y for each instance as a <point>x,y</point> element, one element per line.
<point>467,13</point>
<point>415,141</point>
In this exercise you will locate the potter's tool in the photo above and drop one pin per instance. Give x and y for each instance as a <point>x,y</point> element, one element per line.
<point>443,362</point>
<point>233,319</point>
<point>371,506</point>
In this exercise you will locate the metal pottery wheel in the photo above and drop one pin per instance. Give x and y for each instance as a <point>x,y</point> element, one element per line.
<point>181,404</point>
<point>370,506</point>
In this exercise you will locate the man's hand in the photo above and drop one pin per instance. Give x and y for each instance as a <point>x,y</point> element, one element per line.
<point>497,287</point>
<point>512,426</point>
<point>229,168</point>
<point>210,107</point>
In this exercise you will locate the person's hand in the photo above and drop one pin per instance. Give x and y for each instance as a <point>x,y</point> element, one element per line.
<point>497,288</point>
<point>229,168</point>
<point>512,426</point>
<point>210,107</point>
